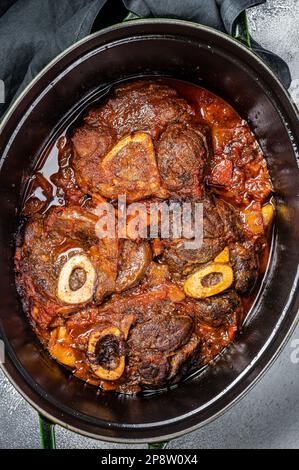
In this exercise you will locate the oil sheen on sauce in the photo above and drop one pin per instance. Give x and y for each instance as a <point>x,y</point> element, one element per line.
<point>245,185</point>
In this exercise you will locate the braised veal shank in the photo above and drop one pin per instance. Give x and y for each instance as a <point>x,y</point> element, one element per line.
<point>129,313</point>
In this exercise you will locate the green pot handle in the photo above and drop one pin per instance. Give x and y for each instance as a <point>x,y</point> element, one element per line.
<point>240,27</point>
<point>241,30</point>
<point>47,428</point>
<point>48,440</point>
<point>47,433</point>
<point>158,445</point>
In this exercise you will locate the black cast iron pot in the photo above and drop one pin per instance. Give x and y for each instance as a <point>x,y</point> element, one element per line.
<point>199,55</point>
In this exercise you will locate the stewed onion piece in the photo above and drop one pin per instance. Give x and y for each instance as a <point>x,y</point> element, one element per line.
<point>105,353</point>
<point>195,286</point>
<point>76,280</point>
<point>59,347</point>
<point>268,214</point>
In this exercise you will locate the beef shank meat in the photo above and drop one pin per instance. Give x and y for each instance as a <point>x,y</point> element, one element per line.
<point>182,154</point>
<point>115,149</point>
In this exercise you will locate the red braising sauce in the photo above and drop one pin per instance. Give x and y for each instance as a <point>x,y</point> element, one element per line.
<point>237,174</point>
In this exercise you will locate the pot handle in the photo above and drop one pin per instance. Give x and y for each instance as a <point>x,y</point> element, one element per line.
<point>48,440</point>
<point>157,445</point>
<point>241,30</point>
<point>240,27</point>
<point>47,433</point>
<point>47,428</point>
<point>241,34</point>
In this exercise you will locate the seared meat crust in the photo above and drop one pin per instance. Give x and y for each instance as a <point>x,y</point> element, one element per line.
<point>114,151</point>
<point>222,227</point>
<point>141,106</point>
<point>115,311</point>
<point>182,154</point>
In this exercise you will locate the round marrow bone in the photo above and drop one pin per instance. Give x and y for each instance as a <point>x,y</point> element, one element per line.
<point>130,168</point>
<point>83,293</point>
<point>105,347</point>
<point>194,286</point>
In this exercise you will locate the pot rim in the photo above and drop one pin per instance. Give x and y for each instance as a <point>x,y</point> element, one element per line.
<point>9,113</point>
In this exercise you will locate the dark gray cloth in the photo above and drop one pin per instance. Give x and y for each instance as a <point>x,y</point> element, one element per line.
<point>33,32</point>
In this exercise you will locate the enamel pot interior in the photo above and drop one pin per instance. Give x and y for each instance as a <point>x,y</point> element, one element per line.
<point>202,56</point>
